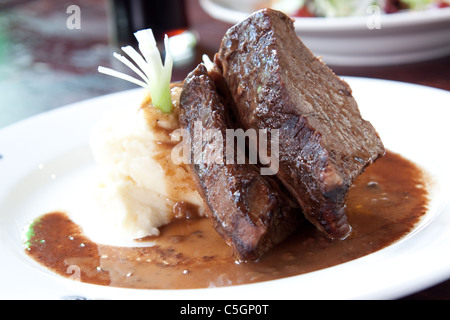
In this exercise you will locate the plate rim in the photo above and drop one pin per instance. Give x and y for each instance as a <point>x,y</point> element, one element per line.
<point>336,24</point>
<point>441,271</point>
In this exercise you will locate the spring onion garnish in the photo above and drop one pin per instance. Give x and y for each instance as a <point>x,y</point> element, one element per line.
<point>207,62</point>
<point>148,66</point>
<point>29,233</point>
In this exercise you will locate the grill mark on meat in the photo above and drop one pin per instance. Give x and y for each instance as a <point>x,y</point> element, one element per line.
<point>277,83</point>
<point>250,211</point>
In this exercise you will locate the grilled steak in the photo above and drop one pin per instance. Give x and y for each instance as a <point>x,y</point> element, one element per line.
<point>276,82</point>
<point>249,211</point>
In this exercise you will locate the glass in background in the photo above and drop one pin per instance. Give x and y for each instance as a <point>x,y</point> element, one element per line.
<point>162,16</point>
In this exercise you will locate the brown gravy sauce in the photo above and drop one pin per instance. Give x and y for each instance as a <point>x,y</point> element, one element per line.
<point>384,204</point>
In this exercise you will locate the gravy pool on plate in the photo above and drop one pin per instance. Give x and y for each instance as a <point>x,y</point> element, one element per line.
<point>384,204</point>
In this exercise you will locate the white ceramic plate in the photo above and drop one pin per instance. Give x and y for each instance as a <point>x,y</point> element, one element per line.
<point>46,160</point>
<point>354,41</point>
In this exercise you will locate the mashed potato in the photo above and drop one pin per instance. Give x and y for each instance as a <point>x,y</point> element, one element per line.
<point>140,188</point>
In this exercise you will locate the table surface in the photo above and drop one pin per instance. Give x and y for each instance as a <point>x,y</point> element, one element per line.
<point>44,65</point>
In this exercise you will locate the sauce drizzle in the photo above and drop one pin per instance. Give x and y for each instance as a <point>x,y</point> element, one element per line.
<point>384,204</point>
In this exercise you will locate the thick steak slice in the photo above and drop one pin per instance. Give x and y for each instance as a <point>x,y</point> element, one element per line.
<point>277,83</point>
<point>249,211</point>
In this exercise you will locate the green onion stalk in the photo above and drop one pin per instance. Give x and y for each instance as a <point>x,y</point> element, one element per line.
<point>155,76</point>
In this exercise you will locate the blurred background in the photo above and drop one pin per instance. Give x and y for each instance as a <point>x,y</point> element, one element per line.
<point>44,64</point>
<point>49,52</point>
<point>50,49</point>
